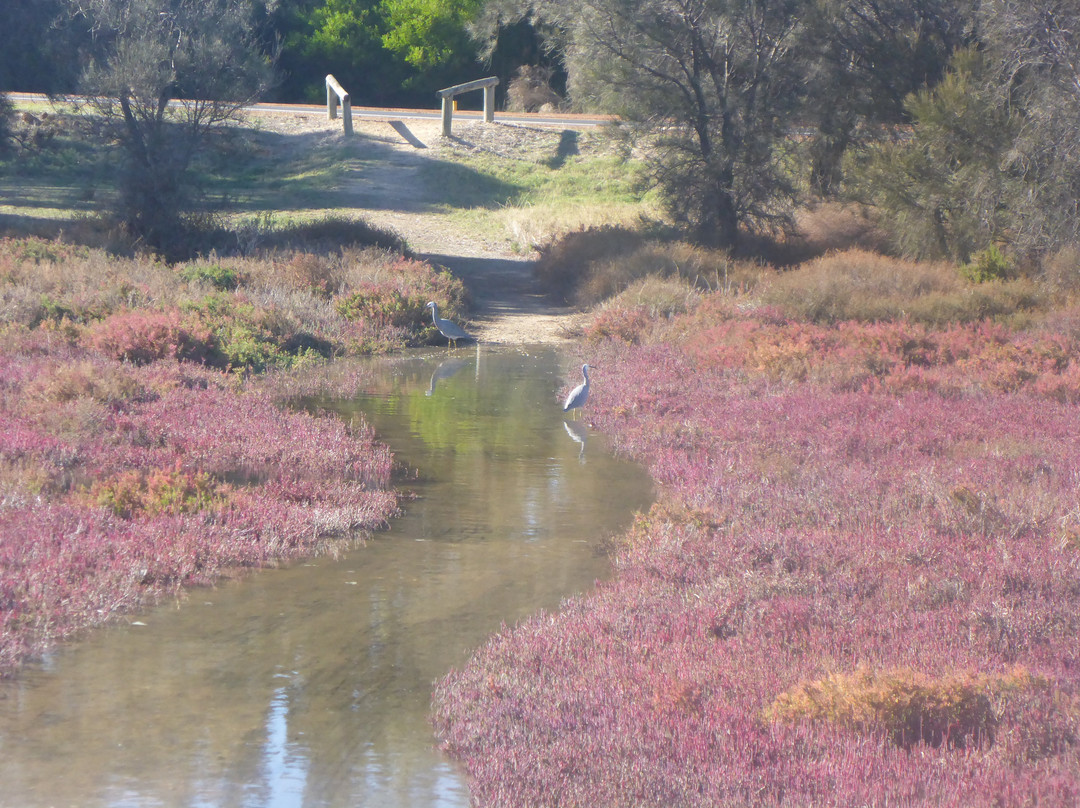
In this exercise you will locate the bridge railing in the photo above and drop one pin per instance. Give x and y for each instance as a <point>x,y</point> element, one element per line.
<point>447,96</point>
<point>334,93</point>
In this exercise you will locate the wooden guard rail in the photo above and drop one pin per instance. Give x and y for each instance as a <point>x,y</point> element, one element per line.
<point>447,96</point>
<point>334,92</point>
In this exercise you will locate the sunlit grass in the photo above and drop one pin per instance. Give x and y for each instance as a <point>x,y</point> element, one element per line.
<point>486,180</point>
<point>531,199</point>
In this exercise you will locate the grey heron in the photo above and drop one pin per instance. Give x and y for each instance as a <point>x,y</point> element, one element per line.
<point>452,331</point>
<point>580,394</point>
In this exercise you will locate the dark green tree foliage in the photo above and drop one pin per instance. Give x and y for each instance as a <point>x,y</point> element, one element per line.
<point>994,155</point>
<point>147,54</point>
<point>432,38</point>
<point>36,47</point>
<point>864,58</point>
<point>342,37</point>
<point>511,36</point>
<point>7,113</point>
<point>430,33</point>
<point>384,52</point>
<point>29,34</point>
<point>715,85</point>
<point>1036,45</point>
<point>946,190</point>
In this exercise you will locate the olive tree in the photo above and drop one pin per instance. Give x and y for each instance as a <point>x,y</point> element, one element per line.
<point>167,73</point>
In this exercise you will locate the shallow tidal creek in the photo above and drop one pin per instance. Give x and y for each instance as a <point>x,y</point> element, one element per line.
<point>310,685</point>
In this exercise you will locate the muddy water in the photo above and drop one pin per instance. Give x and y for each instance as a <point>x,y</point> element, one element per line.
<point>310,686</point>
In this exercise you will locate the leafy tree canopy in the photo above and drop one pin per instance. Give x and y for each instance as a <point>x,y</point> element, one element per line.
<point>429,33</point>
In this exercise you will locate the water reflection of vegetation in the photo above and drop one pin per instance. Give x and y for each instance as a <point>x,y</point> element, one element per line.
<point>333,661</point>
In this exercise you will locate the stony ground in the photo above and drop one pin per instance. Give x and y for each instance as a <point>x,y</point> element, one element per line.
<point>507,306</point>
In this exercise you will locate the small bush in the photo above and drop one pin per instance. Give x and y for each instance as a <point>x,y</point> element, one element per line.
<point>331,234</point>
<point>158,491</point>
<point>143,336</point>
<point>245,346</point>
<point>106,383</point>
<point>1061,271</point>
<point>910,707</point>
<point>988,265</point>
<point>563,266</point>
<point>385,307</point>
<point>625,323</point>
<point>530,90</point>
<point>224,279</point>
<point>662,297</point>
<point>703,268</point>
<point>864,286</point>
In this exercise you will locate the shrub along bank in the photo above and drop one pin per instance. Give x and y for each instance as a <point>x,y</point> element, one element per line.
<point>862,586</point>
<point>139,453</point>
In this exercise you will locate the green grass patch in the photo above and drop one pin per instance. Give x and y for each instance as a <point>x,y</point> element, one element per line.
<point>490,181</point>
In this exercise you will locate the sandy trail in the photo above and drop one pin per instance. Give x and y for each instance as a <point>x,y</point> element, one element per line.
<point>386,188</point>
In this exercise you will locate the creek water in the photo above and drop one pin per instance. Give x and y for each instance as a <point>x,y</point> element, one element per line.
<point>310,685</point>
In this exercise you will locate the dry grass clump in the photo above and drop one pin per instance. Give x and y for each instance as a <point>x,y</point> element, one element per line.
<point>662,297</point>
<point>911,707</point>
<point>245,313</point>
<point>530,90</point>
<point>866,286</point>
<point>589,266</point>
<point>328,234</point>
<point>1061,272</point>
<point>52,280</point>
<point>564,264</point>
<point>819,229</point>
<point>828,227</point>
<point>702,268</point>
<point>543,222</point>
<point>632,314</point>
<point>106,383</point>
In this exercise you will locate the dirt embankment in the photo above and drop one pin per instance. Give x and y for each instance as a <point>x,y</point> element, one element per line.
<point>390,191</point>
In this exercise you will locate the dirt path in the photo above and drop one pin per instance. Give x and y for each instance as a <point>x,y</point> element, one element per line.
<point>387,189</point>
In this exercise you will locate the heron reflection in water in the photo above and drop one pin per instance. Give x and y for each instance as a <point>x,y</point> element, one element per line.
<point>579,434</point>
<point>445,370</point>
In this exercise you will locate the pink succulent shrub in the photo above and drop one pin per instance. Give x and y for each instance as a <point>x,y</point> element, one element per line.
<point>625,323</point>
<point>108,501</point>
<point>143,336</point>
<point>887,507</point>
<point>252,314</point>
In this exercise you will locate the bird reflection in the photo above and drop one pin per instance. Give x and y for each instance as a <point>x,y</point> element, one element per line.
<point>445,370</point>
<point>579,433</point>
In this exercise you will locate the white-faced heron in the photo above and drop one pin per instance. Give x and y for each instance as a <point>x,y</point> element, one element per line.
<point>452,331</point>
<point>580,394</point>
